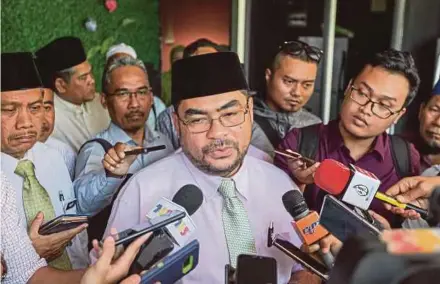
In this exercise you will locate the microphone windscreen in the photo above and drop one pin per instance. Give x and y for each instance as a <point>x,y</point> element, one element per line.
<point>332,176</point>
<point>190,197</point>
<point>295,203</point>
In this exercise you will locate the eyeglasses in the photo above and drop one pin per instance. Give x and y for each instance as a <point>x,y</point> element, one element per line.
<point>124,95</point>
<point>203,124</point>
<point>377,109</point>
<point>297,47</point>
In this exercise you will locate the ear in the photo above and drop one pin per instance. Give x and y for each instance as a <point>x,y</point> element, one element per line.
<point>60,85</point>
<point>268,74</point>
<point>251,108</point>
<point>422,106</point>
<point>402,112</point>
<point>176,122</point>
<point>104,100</point>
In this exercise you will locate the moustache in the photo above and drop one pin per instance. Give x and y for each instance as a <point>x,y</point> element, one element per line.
<point>21,135</point>
<point>134,113</point>
<point>217,144</point>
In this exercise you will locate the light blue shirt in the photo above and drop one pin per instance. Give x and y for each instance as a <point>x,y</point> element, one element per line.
<point>93,188</point>
<point>159,106</point>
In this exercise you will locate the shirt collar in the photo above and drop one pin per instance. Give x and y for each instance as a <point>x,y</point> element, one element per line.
<point>209,184</point>
<point>336,142</point>
<point>120,135</point>
<point>59,102</point>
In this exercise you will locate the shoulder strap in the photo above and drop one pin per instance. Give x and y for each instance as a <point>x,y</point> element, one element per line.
<point>271,133</point>
<point>308,141</point>
<point>104,143</point>
<point>400,151</point>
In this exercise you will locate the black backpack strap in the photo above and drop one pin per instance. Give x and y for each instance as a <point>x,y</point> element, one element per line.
<point>271,133</point>
<point>104,143</point>
<point>308,141</point>
<point>401,153</point>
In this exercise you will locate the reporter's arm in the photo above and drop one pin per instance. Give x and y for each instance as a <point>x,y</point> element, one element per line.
<point>51,275</point>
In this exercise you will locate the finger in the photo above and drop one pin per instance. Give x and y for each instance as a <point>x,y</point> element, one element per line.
<point>120,150</point>
<point>402,186</point>
<point>108,250</point>
<point>66,236</point>
<point>109,159</point>
<point>35,226</point>
<point>387,206</point>
<point>411,195</point>
<point>310,171</point>
<point>295,164</point>
<point>133,279</point>
<point>312,248</point>
<point>130,253</point>
<point>384,222</point>
<point>97,248</point>
<point>108,166</point>
<point>114,155</point>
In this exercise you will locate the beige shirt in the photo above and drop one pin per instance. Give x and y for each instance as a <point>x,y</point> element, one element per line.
<point>76,124</point>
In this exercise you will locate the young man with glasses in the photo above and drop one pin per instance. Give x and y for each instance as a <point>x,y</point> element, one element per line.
<point>127,96</point>
<point>375,99</point>
<point>290,82</point>
<point>242,194</point>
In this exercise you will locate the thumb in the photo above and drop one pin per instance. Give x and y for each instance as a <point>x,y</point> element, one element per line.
<point>108,250</point>
<point>36,224</point>
<point>133,279</point>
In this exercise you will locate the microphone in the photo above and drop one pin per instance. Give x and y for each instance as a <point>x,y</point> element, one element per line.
<point>188,199</point>
<point>306,222</point>
<point>357,186</point>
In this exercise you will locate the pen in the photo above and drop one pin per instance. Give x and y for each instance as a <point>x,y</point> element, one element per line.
<point>145,150</point>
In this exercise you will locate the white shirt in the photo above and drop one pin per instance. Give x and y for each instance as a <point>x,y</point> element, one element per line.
<point>76,124</point>
<point>260,186</point>
<point>20,256</point>
<point>65,151</point>
<point>53,175</point>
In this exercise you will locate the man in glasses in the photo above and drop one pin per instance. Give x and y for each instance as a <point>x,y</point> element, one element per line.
<point>375,99</point>
<point>242,194</point>
<point>127,96</point>
<point>290,81</point>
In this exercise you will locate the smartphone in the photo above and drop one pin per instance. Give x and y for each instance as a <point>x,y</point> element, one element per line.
<point>173,267</point>
<point>296,156</point>
<point>158,246</point>
<point>127,236</point>
<point>342,222</point>
<point>302,258</point>
<point>256,269</point>
<point>63,223</point>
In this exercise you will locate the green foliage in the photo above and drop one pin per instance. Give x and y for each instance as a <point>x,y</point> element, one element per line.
<point>27,25</point>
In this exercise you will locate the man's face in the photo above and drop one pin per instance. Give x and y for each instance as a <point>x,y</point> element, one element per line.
<point>388,89</point>
<point>81,87</point>
<point>48,121</point>
<point>290,86</point>
<point>429,116</point>
<point>22,115</point>
<point>127,111</point>
<point>220,150</point>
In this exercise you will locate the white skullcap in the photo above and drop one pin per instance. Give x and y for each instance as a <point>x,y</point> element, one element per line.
<point>121,48</point>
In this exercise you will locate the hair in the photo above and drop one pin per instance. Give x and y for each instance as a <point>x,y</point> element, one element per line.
<point>176,49</point>
<point>115,64</point>
<point>66,75</point>
<point>276,62</point>
<point>191,48</point>
<point>397,62</point>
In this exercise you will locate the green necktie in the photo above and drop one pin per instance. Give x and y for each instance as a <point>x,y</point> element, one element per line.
<point>238,232</point>
<point>35,199</point>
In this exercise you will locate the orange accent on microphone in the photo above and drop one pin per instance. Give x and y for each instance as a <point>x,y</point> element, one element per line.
<point>308,228</point>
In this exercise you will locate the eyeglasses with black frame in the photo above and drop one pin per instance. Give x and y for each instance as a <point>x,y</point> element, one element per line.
<point>124,95</point>
<point>377,108</point>
<point>297,47</point>
<point>228,119</point>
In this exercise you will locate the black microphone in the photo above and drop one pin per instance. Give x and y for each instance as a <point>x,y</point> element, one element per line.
<point>189,197</point>
<point>306,222</point>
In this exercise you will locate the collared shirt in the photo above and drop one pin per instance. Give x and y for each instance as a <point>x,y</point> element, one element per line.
<point>260,187</point>
<point>53,175</point>
<point>331,146</point>
<point>65,151</point>
<point>157,108</point>
<point>15,246</point>
<point>259,140</point>
<point>93,188</point>
<point>75,124</point>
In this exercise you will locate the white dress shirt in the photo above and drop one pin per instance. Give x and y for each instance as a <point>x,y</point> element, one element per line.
<point>20,256</point>
<point>65,151</point>
<point>76,124</point>
<point>53,175</point>
<point>260,187</point>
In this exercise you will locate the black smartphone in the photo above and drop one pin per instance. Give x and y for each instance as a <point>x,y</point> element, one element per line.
<point>256,269</point>
<point>342,222</point>
<point>62,223</point>
<point>127,236</point>
<point>301,257</point>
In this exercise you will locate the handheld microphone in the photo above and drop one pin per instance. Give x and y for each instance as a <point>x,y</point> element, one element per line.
<point>357,186</point>
<point>188,199</point>
<point>306,222</point>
